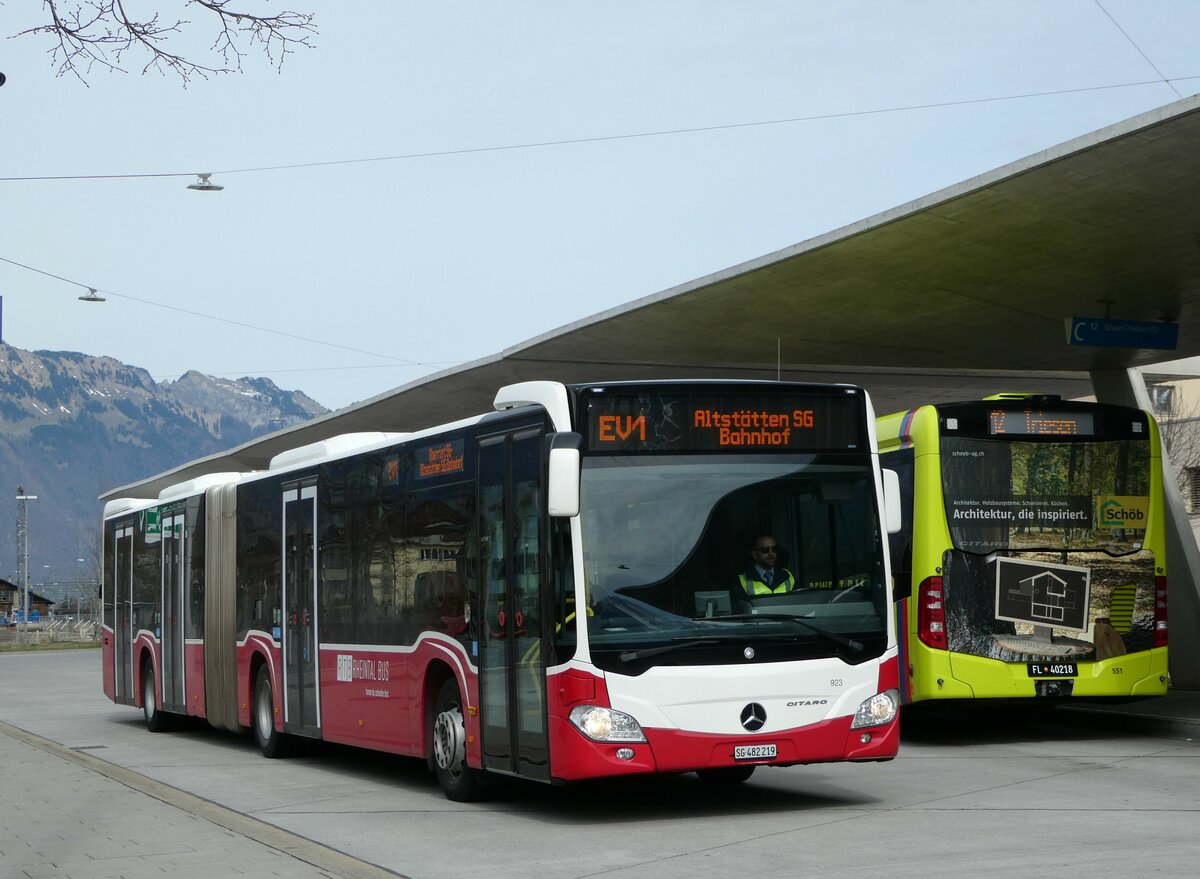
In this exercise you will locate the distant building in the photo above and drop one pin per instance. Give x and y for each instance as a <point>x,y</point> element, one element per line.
<point>11,599</point>
<point>1176,405</point>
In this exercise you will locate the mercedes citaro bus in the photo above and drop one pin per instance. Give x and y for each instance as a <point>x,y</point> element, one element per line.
<point>543,591</point>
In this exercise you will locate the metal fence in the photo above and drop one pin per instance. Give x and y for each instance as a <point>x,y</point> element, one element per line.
<point>51,628</point>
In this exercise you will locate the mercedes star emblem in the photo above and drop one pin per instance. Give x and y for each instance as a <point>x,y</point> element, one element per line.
<point>754,716</point>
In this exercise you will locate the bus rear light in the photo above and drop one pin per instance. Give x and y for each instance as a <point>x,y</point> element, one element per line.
<point>931,614</point>
<point>1160,612</point>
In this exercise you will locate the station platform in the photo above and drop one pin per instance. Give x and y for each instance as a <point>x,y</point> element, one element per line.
<point>68,815</point>
<point>1176,714</point>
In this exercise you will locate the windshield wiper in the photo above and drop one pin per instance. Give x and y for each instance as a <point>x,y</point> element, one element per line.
<point>634,655</point>
<point>848,643</point>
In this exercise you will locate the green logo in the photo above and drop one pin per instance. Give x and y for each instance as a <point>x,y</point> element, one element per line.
<point>1122,511</point>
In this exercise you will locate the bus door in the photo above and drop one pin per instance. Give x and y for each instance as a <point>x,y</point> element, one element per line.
<point>174,576</point>
<point>122,580</point>
<point>512,673</point>
<point>301,703</point>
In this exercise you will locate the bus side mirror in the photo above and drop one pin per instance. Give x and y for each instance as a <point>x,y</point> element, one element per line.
<point>891,501</point>
<point>563,489</point>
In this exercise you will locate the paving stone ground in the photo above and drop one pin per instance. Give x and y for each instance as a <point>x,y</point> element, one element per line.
<point>60,820</point>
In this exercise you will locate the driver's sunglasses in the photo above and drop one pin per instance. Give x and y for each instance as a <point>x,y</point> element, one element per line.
<point>767,549</point>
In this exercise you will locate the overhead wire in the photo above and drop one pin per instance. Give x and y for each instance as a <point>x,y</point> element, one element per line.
<point>238,373</point>
<point>398,360</point>
<point>1126,35</point>
<point>818,117</point>
<point>540,145</point>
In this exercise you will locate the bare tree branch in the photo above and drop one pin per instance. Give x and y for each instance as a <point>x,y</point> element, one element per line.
<point>86,33</point>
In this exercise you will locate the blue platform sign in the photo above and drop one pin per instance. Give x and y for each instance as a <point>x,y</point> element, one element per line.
<point>1102,332</point>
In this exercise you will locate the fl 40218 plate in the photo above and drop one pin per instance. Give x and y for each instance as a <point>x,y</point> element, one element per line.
<point>1053,670</point>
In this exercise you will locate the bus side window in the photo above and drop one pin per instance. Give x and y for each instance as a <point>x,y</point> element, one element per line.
<point>900,544</point>
<point>438,522</point>
<point>563,581</point>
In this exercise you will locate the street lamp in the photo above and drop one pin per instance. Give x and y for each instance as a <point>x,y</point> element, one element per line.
<point>203,184</point>
<point>23,541</point>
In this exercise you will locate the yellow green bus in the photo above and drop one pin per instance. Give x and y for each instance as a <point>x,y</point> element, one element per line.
<point>1032,557</point>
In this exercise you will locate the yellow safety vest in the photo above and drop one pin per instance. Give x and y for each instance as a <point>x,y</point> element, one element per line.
<point>758,587</point>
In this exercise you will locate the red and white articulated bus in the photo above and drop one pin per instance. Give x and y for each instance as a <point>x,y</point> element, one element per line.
<point>552,590</point>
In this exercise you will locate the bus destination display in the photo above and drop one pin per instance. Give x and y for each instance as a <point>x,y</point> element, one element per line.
<point>1039,422</point>
<point>715,422</point>
<point>442,459</point>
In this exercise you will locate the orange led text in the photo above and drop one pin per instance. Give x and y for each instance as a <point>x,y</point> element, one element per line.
<point>622,427</point>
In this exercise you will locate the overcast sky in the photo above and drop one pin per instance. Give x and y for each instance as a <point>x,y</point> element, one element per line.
<point>792,119</point>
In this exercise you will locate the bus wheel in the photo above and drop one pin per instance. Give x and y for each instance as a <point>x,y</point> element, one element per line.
<point>459,781</point>
<point>725,774</point>
<point>156,719</point>
<point>271,742</point>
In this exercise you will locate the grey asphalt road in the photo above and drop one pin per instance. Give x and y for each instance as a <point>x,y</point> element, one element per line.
<point>979,792</point>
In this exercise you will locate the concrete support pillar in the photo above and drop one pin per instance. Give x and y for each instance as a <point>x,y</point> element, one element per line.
<point>1126,387</point>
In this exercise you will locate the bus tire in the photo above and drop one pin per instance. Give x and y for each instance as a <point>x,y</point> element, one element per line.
<point>156,718</point>
<point>725,774</point>
<point>459,782</point>
<point>271,742</point>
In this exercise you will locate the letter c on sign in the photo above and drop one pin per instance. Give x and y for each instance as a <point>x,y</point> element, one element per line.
<point>1078,327</point>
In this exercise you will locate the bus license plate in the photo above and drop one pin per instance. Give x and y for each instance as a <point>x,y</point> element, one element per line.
<point>1053,670</point>
<point>753,752</point>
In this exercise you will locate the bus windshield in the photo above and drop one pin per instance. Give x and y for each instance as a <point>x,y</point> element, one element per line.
<point>1003,495</point>
<point>667,542</point>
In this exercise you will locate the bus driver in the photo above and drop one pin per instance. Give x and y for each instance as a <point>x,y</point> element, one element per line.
<point>763,577</point>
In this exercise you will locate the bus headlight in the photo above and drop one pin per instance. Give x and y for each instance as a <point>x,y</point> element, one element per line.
<point>606,725</point>
<point>876,711</point>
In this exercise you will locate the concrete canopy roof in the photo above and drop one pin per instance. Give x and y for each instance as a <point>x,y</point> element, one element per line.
<point>956,295</point>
